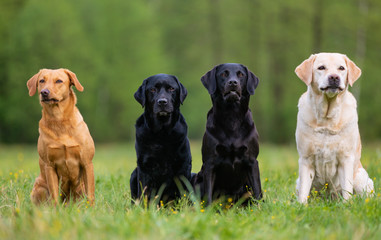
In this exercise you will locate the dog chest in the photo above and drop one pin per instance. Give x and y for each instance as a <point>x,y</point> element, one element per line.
<point>327,152</point>
<point>66,160</point>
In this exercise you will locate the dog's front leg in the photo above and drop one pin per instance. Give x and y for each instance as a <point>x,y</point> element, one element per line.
<point>89,182</point>
<point>209,184</point>
<point>256,181</point>
<point>52,181</point>
<point>345,171</point>
<point>306,176</point>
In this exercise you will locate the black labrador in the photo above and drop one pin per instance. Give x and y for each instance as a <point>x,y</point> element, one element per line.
<point>230,144</point>
<point>162,146</point>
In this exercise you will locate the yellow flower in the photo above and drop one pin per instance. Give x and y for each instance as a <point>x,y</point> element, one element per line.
<point>265,190</point>
<point>266,179</point>
<point>308,196</point>
<point>230,200</point>
<point>10,173</point>
<point>272,217</point>
<point>16,175</point>
<point>202,210</point>
<point>367,200</point>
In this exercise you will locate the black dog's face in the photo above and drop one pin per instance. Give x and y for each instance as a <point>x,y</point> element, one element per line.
<point>231,81</point>
<point>161,95</point>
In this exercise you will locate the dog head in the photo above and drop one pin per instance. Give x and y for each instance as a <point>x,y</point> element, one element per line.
<point>53,86</point>
<point>230,81</point>
<point>161,95</point>
<point>328,73</point>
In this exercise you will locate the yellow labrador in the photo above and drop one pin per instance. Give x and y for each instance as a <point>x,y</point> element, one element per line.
<point>65,145</point>
<point>327,134</point>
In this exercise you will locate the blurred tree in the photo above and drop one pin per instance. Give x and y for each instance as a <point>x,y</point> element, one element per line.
<point>113,45</point>
<point>9,10</point>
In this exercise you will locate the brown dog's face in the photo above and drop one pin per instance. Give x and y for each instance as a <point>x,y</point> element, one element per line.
<point>328,73</point>
<point>53,86</point>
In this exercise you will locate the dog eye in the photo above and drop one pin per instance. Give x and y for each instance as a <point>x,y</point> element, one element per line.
<point>153,90</point>
<point>341,68</point>
<point>240,74</point>
<point>42,80</point>
<point>225,74</point>
<point>171,89</point>
<point>321,68</point>
<point>59,81</point>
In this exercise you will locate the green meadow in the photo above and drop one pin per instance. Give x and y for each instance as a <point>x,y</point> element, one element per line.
<point>113,216</point>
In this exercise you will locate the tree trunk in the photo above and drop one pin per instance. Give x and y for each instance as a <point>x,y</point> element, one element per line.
<point>361,44</point>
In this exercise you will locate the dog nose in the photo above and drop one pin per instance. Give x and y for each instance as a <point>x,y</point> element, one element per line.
<point>162,101</point>
<point>233,82</point>
<point>334,79</point>
<point>45,92</point>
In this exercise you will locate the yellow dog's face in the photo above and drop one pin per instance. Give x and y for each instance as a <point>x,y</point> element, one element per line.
<point>328,73</point>
<point>53,86</point>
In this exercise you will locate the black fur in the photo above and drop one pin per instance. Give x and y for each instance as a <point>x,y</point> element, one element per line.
<point>162,146</point>
<point>230,144</point>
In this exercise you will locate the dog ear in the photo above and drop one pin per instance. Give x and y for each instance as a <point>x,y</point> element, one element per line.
<point>74,80</point>
<point>304,70</point>
<point>209,80</point>
<point>252,81</point>
<point>354,72</point>
<point>32,83</point>
<point>183,90</point>
<point>140,94</point>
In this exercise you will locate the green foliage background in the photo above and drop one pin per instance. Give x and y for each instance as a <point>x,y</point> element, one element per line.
<point>114,45</point>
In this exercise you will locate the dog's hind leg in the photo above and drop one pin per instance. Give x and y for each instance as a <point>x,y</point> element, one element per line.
<point>40,192</point>
<point>362,183</point>
<point>134,184</point>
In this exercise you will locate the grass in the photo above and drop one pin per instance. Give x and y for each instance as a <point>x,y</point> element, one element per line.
<point>279,216</point>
